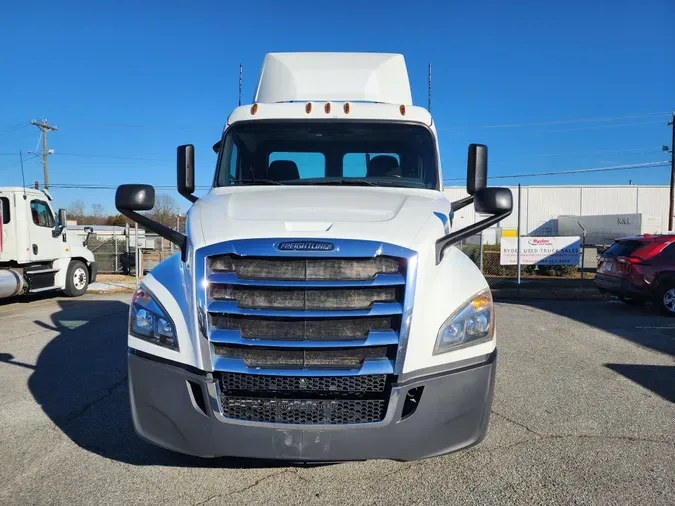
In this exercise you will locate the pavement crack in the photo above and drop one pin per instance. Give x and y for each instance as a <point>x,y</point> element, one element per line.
<point>110,391</point>
<point>528,429</point>
<point>262,480</point>
<point>200,503</point>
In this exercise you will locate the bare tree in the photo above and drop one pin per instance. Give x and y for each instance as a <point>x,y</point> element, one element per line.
<point>165,210</point>
<point>98,216</point>
<point>76,210</point>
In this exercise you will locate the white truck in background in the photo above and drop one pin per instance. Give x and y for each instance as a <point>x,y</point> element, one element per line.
<point>319,309</point>
<point>36,252</point>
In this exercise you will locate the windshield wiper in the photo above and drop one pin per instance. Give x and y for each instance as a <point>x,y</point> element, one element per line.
<point>255,181</point>
<point>353,182</point>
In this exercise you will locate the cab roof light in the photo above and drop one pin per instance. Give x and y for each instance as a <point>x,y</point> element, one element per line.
<point>346,107</point>
<point>327,107</point>
<point>254,109</point>
<point>308,107</point>
<point>402,109</point>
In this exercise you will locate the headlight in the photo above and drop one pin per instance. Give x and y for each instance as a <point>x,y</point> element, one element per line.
<point>149,321</point>
<point>470,324</point>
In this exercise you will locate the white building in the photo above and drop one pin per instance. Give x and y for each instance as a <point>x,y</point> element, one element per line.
<point>542,205</point>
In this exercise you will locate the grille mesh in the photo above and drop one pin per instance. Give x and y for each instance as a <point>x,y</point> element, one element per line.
<point>311,329</point>
<point>303,411</point>
<point>305,298</point>
<point>343,269</point>
<point>317,385</point>
<point>335,358</point>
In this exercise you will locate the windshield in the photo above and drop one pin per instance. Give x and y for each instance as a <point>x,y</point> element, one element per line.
<point>321,153</point>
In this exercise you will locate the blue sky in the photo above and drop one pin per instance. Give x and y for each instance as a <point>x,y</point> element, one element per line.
<point>126,82</point>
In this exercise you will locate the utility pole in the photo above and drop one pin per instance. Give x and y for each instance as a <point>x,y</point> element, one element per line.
<point>672,175</point>
<point>44,127</point>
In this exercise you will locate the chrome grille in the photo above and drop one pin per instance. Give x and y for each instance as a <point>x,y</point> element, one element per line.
<point>309,338</point>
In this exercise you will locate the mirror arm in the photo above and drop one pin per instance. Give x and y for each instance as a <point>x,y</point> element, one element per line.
<point>455,237</point>
<point>190,197</point>
<point>163,231</point>
<point>462,203</point>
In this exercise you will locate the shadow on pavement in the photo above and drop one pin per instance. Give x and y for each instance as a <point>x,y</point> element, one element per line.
<point>80,381</point>
<point>640,325</point>
<point>660,379</point>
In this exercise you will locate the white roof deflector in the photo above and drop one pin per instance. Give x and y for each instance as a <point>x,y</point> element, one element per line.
<point>340,77</point>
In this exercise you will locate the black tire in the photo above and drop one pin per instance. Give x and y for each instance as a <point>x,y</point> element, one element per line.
<point>661,300</point>
<point>632,302</point>
<point>77,279</point>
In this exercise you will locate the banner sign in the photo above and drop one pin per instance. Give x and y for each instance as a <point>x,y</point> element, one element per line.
<point>541,250</point>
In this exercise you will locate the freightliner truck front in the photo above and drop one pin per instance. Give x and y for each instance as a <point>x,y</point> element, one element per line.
<point>318,309</point>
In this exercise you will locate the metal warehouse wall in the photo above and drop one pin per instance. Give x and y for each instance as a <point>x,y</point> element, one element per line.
<point>541,205</point>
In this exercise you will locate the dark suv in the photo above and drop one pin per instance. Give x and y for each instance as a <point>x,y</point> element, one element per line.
<point>638,269</point>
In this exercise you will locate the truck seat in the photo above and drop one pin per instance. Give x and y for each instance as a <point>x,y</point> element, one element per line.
<point>283,170</point>
<point>383,166</point>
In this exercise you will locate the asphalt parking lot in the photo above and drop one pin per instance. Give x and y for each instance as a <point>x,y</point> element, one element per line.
<point>584,413</point>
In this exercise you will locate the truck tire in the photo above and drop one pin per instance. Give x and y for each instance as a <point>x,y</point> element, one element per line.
<point>665,298</point>
<point>77,279</point>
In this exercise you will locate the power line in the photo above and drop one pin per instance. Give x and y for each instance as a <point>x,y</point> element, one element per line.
<point>561,122</point>
<point>19,163</point>
<point>578,171</point>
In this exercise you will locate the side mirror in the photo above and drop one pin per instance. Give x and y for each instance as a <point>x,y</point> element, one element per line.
<point>476,168</point>
<point>493,200</point>
<point>135,197</point>
<point>89,231</point>
<point>62,218</point>
<point>217,146</point>
<point>130,198</point>
<point>186,171</point>
<point>58,230</point>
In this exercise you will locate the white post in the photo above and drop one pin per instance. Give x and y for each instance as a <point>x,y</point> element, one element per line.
<point>136,252</point>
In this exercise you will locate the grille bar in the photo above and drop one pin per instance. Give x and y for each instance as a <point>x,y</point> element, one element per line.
<point>377,309</point>
<point>299,269</point>
<point>370,366</point>
<point>231,278</point>
<point>310,329</point>
<point>375,338</point>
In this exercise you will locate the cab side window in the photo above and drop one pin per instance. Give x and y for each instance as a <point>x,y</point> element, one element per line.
<point>42,215</point>
<point>4,203</point>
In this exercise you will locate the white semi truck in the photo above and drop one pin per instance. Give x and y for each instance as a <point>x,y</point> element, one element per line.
<point>318,309</point>
<point>36,252</point>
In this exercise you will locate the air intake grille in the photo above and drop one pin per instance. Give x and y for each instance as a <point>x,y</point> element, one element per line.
<point>310,329</point>
<point>301,320</point>
<point>355,269</point>
<point>305,298</point>
<point>320,358</point>
<point>303,411</point>
<point>315,385</point>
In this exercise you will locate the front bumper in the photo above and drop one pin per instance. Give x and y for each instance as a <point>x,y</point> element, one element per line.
<point>618,286</point>
<point>452,414</point>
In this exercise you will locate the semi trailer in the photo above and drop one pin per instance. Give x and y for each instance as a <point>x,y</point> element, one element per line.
<point>318,308</point>
<point>36,252</point>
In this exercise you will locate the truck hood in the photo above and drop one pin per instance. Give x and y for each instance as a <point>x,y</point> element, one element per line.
<point>392,215</point>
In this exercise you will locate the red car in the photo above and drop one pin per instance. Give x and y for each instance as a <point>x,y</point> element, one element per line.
<point>639,269</point>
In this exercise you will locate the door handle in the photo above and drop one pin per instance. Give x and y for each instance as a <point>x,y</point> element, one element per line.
<point>35,249</point>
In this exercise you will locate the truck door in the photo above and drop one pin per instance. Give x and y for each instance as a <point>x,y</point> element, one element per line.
<point>44,246</point>
<point>8,240</point>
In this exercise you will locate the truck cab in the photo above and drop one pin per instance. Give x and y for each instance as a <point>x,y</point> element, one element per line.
<point>318,309</point>
<point>36,252</point>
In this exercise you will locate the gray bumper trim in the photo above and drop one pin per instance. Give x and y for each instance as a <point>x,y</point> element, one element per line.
<point>452,414</point>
